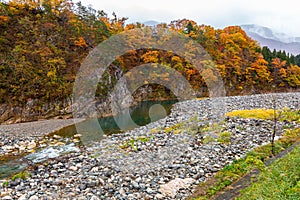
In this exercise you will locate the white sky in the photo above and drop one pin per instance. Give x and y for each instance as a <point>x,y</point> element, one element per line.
<point>280,15</point>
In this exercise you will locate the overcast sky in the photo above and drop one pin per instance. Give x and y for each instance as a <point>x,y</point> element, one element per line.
<point>280,15</point>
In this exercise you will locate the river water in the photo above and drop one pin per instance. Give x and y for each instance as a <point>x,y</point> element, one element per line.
<point>142,114</point>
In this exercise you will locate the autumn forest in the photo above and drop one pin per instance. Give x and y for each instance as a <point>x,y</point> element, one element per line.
<point>42,46</point>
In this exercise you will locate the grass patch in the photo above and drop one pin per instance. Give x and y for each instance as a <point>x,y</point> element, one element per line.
<point>208,139</point>
<point>155,130</point>
<point>290,115</point>
<point>290,136</point>
<point>192,127</point>
<point>280,181</point>
<point>21,175</point>
<point>173,128</point>
<point>189,126</point>
<point>5,184</point>
<point>224,137</point>
<point>265,114</point>
<point>210,131</point>
<point>212,128</point>
<point>254,159</point>
<point>133,143</point>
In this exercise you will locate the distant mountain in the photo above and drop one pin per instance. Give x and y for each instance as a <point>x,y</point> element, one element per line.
<point>151,23</point>
<point>274,40</point>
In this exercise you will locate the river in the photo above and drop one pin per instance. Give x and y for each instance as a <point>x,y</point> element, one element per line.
<point>142,114</point>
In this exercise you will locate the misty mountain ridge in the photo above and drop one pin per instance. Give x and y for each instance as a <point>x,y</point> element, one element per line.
<point>268,33</point>
<point>265,37</point>
<point>151,23</point>
<point>272,39</point>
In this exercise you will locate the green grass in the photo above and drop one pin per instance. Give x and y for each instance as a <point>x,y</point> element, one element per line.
<point>208,139</point>
<point>191,127</point>
<point>279,181</point>
<point>211,128</point>
<point>173,128</point>
<point>224,137</point>
<point>21,175</point>
<point>133,143</point>
<point>254,159</point>
<point>236,170</point>
<point>290,115</point>
<point>5,184</point>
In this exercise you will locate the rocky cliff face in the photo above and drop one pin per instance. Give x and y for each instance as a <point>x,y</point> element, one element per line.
<point>34,109</point>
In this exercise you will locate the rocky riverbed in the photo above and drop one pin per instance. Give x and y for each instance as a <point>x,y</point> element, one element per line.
<point>166,159</point>
<point>16,139</point>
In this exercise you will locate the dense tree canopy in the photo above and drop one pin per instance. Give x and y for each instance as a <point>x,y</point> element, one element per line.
<point>42,44</point>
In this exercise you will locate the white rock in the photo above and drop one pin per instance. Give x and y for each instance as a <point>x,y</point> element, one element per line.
<point>56,136</point>
<point>73,168</point>
<point>78,165</point>
<point>102,182</point>
<point>122,191</point>
<point>34,197</point>
<point>31,145</point>
<point>94,198</point>
<point>23,197</point>
<point>159,196</point>
<point>77,136</point>
<point>7,148</point>
<point>22,148</point>
<point>149,191</point>
<point>7,198</point>
<point>95,169</point>
<point>170,189</point>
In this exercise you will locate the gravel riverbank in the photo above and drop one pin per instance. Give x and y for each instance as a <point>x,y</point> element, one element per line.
<point>27,134</point>
<point>154,161</point>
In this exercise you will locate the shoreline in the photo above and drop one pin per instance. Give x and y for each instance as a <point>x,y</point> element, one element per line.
<point>146,161</point>
<point>17,139</point>
<point>69,116</point>
<point>37,128</point>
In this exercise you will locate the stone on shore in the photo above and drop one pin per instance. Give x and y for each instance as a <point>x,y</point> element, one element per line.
<point>170,189</point>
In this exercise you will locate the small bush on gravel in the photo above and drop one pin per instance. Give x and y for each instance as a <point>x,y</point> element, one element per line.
<point>224,137</point>
<point>290,115</point>
<point>21,175</point>
<point>5,184</point>
<point>208,139</point>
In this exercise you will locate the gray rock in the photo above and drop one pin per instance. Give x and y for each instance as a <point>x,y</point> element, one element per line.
<point>135,185</point>
<point>149,191</point>
<point>82,186</point>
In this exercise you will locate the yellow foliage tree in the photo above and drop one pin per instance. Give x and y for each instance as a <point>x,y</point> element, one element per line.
<point>293,75</point>
<point>258,73</point>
